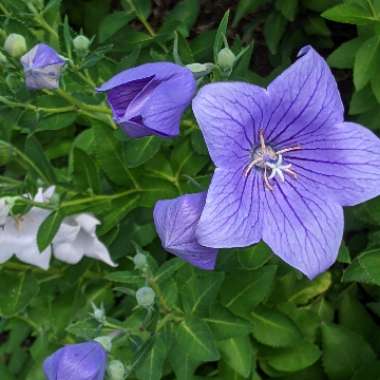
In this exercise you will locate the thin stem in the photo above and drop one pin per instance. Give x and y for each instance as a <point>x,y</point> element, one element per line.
<point>4,10</point>
<point>372,8</point>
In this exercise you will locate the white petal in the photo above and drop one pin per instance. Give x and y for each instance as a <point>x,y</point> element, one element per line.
<point>67,232</point>
<point>67,252</point>
<point>32,255</point>
<point>88,222</point>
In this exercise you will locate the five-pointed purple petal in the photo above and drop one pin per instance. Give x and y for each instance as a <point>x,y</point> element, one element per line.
<point>286,163</point>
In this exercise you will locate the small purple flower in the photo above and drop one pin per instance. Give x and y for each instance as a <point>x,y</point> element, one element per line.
<point>176,221</point>
<point>150,99</point>
<point>42,67</point>
<point>286,163</point>
<point>83,361</point>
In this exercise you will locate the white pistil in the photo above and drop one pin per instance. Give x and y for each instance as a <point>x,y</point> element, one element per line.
<point>278,168</point>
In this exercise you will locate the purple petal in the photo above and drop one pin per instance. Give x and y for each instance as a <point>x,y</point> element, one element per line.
<point>343,163</point>
<point>233,213</point>
<point>84,361</point>
<point>176,221</point>
<point>151,97</point>
<point>302,226</point>
<point>304,100</point>
<point>41,55</point>
<point>230,116</point>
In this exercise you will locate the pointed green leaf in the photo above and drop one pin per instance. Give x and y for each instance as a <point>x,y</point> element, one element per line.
<point>48,229</point>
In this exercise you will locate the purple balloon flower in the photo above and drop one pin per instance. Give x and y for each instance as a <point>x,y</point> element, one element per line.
<point>176,221</point>
<point>42,67</point>
<point>83,361</point>
<point>150,99</point>
<point>286,163</point>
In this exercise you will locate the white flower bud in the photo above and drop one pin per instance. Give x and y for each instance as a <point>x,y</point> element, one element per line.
<point>81,44</point>
<point>116,370</point>
<point>140,261</point>
<point>105,341</point>
<point>226,59</point>
<point>145,297</point>
<point>15,45</point>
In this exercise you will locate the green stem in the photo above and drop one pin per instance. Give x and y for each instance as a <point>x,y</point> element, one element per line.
<point>4,10</point>
<point>372,8</point>
<point>34,108</point>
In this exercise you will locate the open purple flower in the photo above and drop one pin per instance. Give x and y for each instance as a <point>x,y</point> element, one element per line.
<point>286,163</point>
<point>176,221</point>
<point>83,361</point>
<point>150,99</point>
<point>42,67</point>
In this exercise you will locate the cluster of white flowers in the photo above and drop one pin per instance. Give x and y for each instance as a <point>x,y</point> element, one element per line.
<point>75,238</point>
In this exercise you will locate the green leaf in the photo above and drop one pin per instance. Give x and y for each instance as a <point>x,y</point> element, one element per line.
<point>167,270</point>
<point>296,358</point>
<point>350,13</point>
<point>288,8</point>
<point>151,367</point>
<point>48,229</point>
<point>369,372</point>
<point>112,23</point>
<point>199,290</point>
<point>238,354</point>
<point>245,7</point>
<point>365,268</point>
<point>138,151</point>
<point>254,257</point>
<point>274,29</point>
<point>110,154</point>
<point>36,153</point>
<point>124,277</point>
<point>86,173</point>
<point>343,57</point>
<point>242,291</point>
<point>194,337</point>
<point>18,291</point>
<point>366,62</point>
<point>221,33</point>
<point>341,364</point>
<point>57,122</point>
<point>274,328</point>
<point>225,325</point>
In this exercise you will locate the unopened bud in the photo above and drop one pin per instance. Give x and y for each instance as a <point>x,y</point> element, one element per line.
<point>105,341</point>
<point>200,69</point>
<point>15,45</point>
<point>116,370</point>
<point>140,261</point>
<point>81,44</point>
<point>145,297</point>
<point>98,313</point>
<point>226,59</point>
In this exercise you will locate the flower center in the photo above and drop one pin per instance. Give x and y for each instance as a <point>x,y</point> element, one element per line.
<point>268,160</point>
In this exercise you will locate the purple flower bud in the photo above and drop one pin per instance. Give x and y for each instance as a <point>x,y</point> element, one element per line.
<point>176,222</point>
<point>83,361</point>
<point>150,99</point>
<point>42,67</point>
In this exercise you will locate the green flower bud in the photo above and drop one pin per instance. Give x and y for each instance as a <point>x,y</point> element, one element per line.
<point>140,261</point>
<point>81,44</point>
<point>200,69</point>
<point>98,313</point>
<point>116,370</point>
<point>145,297</point>
<point>226,59</point>
<point>105,341</point>
<point>15,45</point>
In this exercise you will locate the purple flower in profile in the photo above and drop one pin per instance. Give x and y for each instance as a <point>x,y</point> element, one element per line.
<point>42,67</point>
<point>83,361</point>
<point>286,163</point>
<point>150,99</point>
<point>176,221</point>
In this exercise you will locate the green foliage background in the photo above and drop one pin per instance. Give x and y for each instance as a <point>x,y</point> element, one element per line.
<point>254,317</point>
